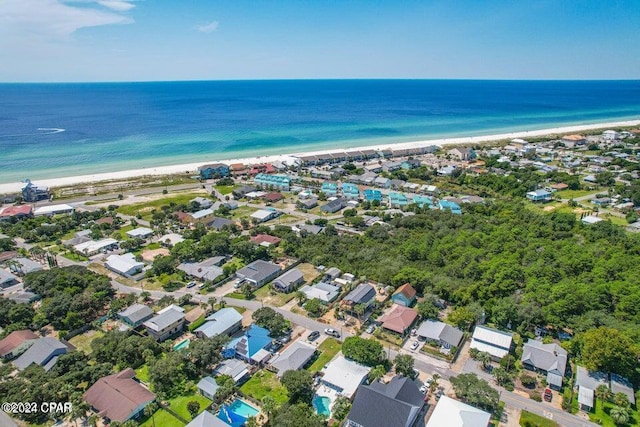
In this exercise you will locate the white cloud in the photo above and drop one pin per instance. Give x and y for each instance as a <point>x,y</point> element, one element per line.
<point>117,5</point>
<point>53,18</point>
<point>208,28</point>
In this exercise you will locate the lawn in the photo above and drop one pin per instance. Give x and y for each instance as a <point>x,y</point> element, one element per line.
<point>602,417</point>
<point>328,348</point>
<point>242,212</point>
<point>271,297</point>
<point>264,383</point>
<point>83,341</point>
<point>164,419</point>
<point>224,189</point>
<point>179,404</point>
<point>536,420</point>
<point>574,194</point>
<point>142,373</point>
<point>308,271</point>
<point>75,257</point>
<point>178,199</point>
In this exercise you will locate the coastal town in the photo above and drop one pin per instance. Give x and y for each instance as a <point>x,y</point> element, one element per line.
<point>461,285</point>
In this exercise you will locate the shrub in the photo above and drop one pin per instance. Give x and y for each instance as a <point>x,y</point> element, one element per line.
<point>535,395</point>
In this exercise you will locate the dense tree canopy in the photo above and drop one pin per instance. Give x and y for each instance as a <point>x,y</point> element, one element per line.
<point>366,351</point>
<point>475,391</point>
<point>606,349</point>
<point>270,319</point>
<point>299,385</point>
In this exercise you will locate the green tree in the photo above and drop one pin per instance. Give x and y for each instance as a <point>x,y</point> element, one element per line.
<point>404,365</point>
<point>270,319</point>
<point>341,408</point>
<point>485,359</point>
<point>606,349</point>
<point>268,405</point>
<point>620,415</point>
<point>301,414</point>
<point>247,290</point>
<point>462,317</point>
<point>299,385</point>
<point>149,412</point>
<point>502,376</point>
<point>621,399</point>
<point>427,308</point>
<point>301,297</point>
<point>193,406</point>
<point>314,307</point>
<point>366,351</point>
<point>603,393</point>
<point>376,373</point>
<point>475,391</point>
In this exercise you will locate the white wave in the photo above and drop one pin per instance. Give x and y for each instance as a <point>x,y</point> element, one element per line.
<point>50,131</point>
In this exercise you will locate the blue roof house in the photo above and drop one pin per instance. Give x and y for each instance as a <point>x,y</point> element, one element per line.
<point>281,182</point>
<point>371,195</point>
<point>350,191</point>
<point>398,199</point>
<point>421,201</point>
<point>451,206</point>
<point>329,188</point>
<point>215,170</point>
<point>250,346</point>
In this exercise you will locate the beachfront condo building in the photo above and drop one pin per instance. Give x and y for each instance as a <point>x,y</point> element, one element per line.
<point>281,182</point>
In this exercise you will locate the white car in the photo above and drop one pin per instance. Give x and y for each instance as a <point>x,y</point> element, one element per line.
<point>332,332</point>
<point>414,345</point>
<point>238,284</point>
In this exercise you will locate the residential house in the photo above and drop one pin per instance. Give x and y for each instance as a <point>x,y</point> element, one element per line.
<point>610,135</point>
<point>52,210</point>
<point>619,384</point>
<point>293,358</point>
<point>281,182</point>
<point>332,273</point>
<point>125,265</point>
<point>334,205</point>
<point>202,271</point>
<point>167,322</point>
<point>259,272</point>
<point>92,247</point>
<point>18,212</point>
<point>405,295</point>
<point>135,315</point>
<point>587,382</point>
<point>371,195</point>
<point>395,404</point>
<point>350,191</point>
<point>399,319</point>
<point>539,195</point>
<point>170,239</point>
<point>32,193</point>
<point>288,281</point>
<point>23,297</point>
<point>398,199</point>
<point>446,170</point>
<point>208,387</point>
<point>240,192</point>
<point>570,141</point>
<point>463,153</point>
<point>364,294</point>
<point>323,291</point>
<point>44,352</point>
<point>550,359</point>
<point>251,346</point>
<point>207,419</point>
<point>213,171</point>
<point>444,335</point>
<point>453,207</point>
<point>119,397</point>
<point>452,413</point>
<point>264,215</point>
<point>225,321</point>
<point>492,341</point>
<point>308,203</point>
<point>7,279</point>
<point>16,343</point>
<point>590,219</point>
<point>203,216</point>
<point>238,169</point>
<point>272,197</point>
<point>391,166</point>
<point>422,201</point>
<point>235,368</point>
<point>140,233</point>
<point>219,223</point>
<point>329,188</point>
<point>398,184</point>
<point>344,376</point>
<point>265,240</point>
<point>309,229</point>
<point>382,182</point>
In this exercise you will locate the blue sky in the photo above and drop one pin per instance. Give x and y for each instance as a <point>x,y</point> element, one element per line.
<point>114,40</point>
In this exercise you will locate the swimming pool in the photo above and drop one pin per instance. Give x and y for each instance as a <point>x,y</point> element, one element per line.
<point>322,403</point>
<point>182,345</point>
<point>242,408</point>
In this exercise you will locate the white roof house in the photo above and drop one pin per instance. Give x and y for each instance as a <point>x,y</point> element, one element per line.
<point>94,246</point>
<point>344,376</point>
<point>452,413</point>
<point>125,264</point>
<point>140,232</point>
<point>53,210</point>
<point>264,215</point>
<point>590,219</point>
<point>492,341</point>
<point>171,239</point>
<point>323,291</point>
<point>204,213</point>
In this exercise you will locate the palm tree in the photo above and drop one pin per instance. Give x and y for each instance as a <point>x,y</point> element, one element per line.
<point>360,309</point>
<point>433,386</point>
<point>149,410</point>
<point>603,393</point>
<point>621,399</point>
<point>301,297</point>
<point>377,373</point>
<point>485,359</point>
<point>212,302</point>
<point>619,414</point>
<point>268,405</point>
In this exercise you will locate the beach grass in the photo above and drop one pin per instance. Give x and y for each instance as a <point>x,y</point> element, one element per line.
<point>265,383</point>
<point>328,348</point>
<point>166,200</point>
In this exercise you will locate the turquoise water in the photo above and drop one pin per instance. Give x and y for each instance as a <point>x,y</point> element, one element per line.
<point>56,130</point>
<point>321,403</point>
<point>182,345</point>
<point>242,408</point>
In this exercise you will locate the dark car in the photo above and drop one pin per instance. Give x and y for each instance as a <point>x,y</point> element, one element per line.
<point>313,336</point>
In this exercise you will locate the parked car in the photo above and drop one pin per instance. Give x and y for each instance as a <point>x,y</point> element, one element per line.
<point>414,332</point>
<point>414,345</point>
<point>332,332</point>
<point>191,284</point>
<point>370,329</point>
<point>238,283</point>
<point>424,389</point>
<point>548,395</point>
<point>313,336</point>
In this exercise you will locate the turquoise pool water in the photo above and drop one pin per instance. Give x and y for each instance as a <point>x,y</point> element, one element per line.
<point>242,408</point>
<point>321,403</point>
<point>182,344</point>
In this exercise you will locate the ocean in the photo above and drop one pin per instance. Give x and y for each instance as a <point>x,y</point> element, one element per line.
<point>57,130</point>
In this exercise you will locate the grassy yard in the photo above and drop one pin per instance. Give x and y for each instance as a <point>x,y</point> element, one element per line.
<point>308,271</point>
<point>142,373</point>
<point>264,383</point>
<point>83,341</point>
<point>536,420</point>
<point>179,404</point>
<point>121,234</point>
<point>602,417</point>
<point>328,348</point>
<point>178,199</point>
<point>164,419</point>
<point>271,297</point>
<point>242,212</point>
<point>75,257</point>
<point>573,194</point>
<point>224,189</point>
<point>288,219</point>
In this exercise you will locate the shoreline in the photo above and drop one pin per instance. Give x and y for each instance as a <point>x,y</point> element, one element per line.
<point>14,187</point>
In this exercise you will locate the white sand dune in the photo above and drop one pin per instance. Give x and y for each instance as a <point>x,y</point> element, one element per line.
<point>192,167</point>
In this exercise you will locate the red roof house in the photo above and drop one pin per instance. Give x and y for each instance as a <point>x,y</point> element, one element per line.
<point>399,319</point>
<point>15,343</point>
<point>20,211</point>
<point>265,239</point>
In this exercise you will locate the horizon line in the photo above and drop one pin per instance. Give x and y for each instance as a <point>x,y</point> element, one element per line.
<point>316,79</point>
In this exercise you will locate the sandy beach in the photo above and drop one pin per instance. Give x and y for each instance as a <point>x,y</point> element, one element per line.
<point>289,157</point>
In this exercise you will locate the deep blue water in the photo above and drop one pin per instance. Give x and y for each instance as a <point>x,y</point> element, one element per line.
<point>116,126</point>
